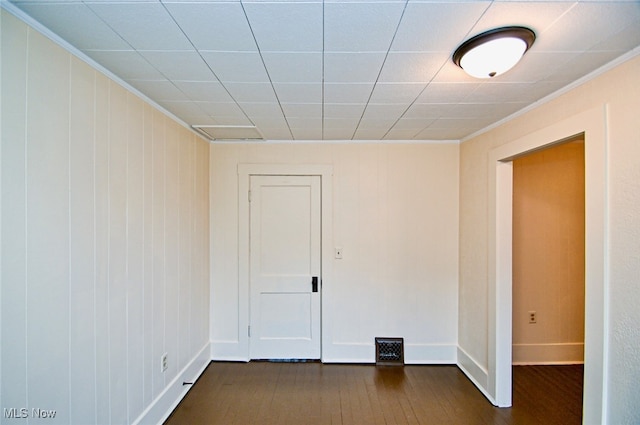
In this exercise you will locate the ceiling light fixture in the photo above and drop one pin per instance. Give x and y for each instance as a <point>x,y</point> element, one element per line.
<point>493,52</point>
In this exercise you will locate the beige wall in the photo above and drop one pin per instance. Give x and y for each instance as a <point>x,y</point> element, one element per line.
<point>395,214</point>
<point>104,231</point>
<point>548,255</point>
<point>619,90</point>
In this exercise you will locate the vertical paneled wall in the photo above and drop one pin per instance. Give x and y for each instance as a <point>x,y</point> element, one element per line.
<point>105,230</point>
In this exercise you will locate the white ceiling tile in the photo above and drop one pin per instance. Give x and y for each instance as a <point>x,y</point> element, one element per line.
<point>578,66</point>
<point>237,67</point>
<point>446,92</point>
<point>251,92</point>
<point>428,111</point>
<point>344,123</point>
<point>412,67</point>
<point>457,123</point>
<point>347,93</point>
<point>535,66</point>
<point>270,122</point>
<point>302,110</point>
<point>211,91</point>
<point>360,27</point>
<point>291,27</point>
<point>180,65</point>
<point>436,26</point>
<point>586,24</point>
<point>365,1</point>
<point>275,133</point>
<point>384,111</point>
<point>159,90</point>
<point>396,92</point>
<point>623,41</point>
<point>529,14</point>
<point>126,64</point>
<point>399,134</point>
<point>78,24</point>
<point>442,133</point>
<point>214,26</point>
<point>339,129</point>
<point>187,1</point>
<point>335,133</point>
<point>265,110</point>
<point>482,110</point>
<point>352,67</point>
<point>412,124</point>
<point>330,76</point>
<point>496,92</point>
<point>299,67</point>
<point>342,111</point>
<point>305,122</point>
<point>367,133</point>
<point>533,92</point>
<point>299,92</point>
<point>188,111</point>
<point>145,26</point>
<point>220,108</point>
<point>307,133</point>
<point>379,122</point>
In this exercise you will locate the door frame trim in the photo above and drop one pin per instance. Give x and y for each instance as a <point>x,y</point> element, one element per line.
<point>245,171</point>
<point>593,124</point>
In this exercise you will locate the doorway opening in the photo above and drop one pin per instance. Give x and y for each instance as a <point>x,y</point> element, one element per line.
<point>592,125</point>
<point>548,299</point>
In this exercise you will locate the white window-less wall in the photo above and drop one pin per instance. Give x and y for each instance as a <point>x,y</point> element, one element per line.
<point>392,209</point>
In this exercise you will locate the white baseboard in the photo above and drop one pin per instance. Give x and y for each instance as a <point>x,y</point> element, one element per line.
<point>413,353</point>
<point>548,354</point>
<point>160,409</point>
<point>430,354</point>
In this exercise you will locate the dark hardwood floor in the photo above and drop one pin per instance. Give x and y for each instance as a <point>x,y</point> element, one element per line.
<point>312,393</point>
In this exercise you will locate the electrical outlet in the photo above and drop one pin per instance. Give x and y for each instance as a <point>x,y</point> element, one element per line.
<point>164,363</point>
<point>533,317</point>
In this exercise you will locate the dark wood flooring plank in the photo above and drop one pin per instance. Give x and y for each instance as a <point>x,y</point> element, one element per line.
<point>312,393</point>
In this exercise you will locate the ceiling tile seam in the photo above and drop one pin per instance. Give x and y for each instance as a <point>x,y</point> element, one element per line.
<point>431,80</point>
<point>208,67</point>
<point>559,17</point>
<point>88,5</point>
<point>255,40</point>
<point>97,15</point>
<point>415,100</point>
<point>384,61</point>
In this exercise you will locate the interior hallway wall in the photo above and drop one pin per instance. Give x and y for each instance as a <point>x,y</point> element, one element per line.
<point>548,255</point>
<point>395,214</point>
<point>104,229</point>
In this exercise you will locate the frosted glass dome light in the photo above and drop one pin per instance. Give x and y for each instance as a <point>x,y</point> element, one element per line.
<point>493,52</point>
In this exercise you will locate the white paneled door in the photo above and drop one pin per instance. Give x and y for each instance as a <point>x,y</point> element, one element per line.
<point>285,281</point>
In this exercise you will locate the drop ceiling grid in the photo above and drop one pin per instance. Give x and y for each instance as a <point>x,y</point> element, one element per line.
<point>338,69</point>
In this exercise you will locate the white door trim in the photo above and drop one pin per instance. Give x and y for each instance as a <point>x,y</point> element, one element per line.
<point>245,171</point>
<point>593,123</point>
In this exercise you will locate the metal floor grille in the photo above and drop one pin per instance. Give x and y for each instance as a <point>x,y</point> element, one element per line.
<point>389,351</point>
